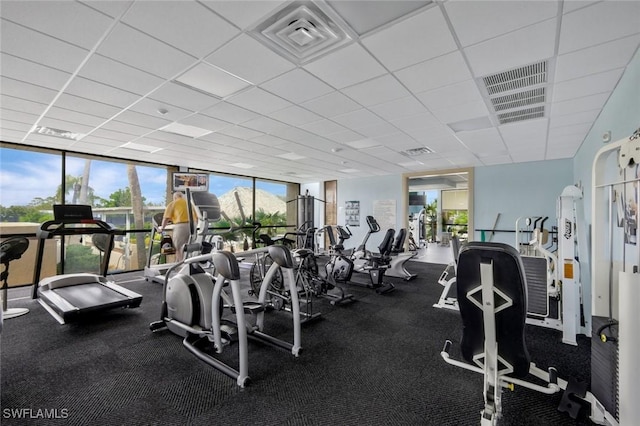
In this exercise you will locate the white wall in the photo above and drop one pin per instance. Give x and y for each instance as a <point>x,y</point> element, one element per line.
<point>515,190</point>
<point>368,190</point>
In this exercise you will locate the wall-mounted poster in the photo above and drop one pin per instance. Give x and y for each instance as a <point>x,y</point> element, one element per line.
<point>385,213</point>
<point>352,213</point>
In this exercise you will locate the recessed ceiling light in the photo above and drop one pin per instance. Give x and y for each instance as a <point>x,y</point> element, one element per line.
<point>140,147</point>
<point>213,80</point>
<point>472,124</point>
<point>363,143</point>
<point>242,165</point>
<point>349,170</point>
<point>185,130</point>
<point>291,156</point>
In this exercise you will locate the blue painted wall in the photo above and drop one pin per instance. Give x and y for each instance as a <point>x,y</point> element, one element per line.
<point>515,190</point>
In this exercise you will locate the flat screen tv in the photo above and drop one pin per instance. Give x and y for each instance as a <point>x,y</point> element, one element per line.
<point>192,181</point>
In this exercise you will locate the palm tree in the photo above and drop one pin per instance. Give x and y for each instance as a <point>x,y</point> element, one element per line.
<point>138,213</point>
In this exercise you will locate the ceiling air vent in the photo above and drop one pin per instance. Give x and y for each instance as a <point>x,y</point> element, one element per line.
<point>414,152</point>
<point>519,100</point>
<point>517,78</point>
<point>302,31</point>
<point>521,115</point>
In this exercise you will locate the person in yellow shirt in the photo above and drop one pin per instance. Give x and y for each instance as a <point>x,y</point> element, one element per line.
<point>177,213</point>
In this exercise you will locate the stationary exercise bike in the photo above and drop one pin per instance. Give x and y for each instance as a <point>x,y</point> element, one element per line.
<point>194,301</point>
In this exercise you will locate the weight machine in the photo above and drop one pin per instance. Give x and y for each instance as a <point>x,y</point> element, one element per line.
<point>615,377</point>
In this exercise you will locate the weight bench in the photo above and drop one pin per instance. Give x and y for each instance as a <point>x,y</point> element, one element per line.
<point>492,297</point>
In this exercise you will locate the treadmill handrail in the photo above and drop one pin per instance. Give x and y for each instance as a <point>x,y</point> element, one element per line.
<point>53,228</point>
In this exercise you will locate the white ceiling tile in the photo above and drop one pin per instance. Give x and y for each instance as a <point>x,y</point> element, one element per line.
<point>109,134</point>
<point>23,105</point>
<point>205,32</point>
<point>297,86</point>
<point>205,122</point>
<point>74,116</point>
<point>68,126</point>
<point>379,90</point>
<point>346,136</point>
<point>496,159</point>
<point>522,156</point>
<point>330,105</point>
<point>585,103</point>
<point>358,119</point>
<point>212,80</point>
<point>442,71</point>
<point>603,82</point>
<point>263,124</point>
<point>377,130</point>
<point>101,93</point>
<point>403,44</point>
<point>130,129</point>
<point>39,48</point>
<point>450,96</point>
<point>19,89</point>
<point>346,66</point>
<point>17,116</point>
<point>399,108</point>
<point>483,141</point>
<point>525,132</point>
<point>575,118</point>
<point>183,97</point>
<point>141,51</point>
<point>523,47</point>
<point>397,140</point>
<point>407,42</point>
<point>152,107</point>
<point>229,112</point>
<point>271,141</point>
<point>256,64</point>
<point>476,21</point>
<point>576,129</point>
<point>32,72</point>
<point>243,14</point>
<point>71,22</point>
<point>569,6</point>
<point>109,7</point>
<point>599,23</point>
<point>240,132</point>
<point>418,121</point>
<point>140,119</point>
<point>614,54</point>
<point>296,116</point>
<point>107,71</point>
<point>461,112</point>
<point>87,106</point>
<point>259,101</point>
<point>323,127</point>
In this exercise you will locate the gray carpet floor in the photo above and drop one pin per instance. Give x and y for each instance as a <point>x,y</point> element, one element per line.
<point>373,362</point>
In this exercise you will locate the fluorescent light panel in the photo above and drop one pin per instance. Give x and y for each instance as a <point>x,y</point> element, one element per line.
<point>242,165</point>
<point>213,80</point>
<point>64,134</point>
<point>185,130</point>
<point>140,147</point>
<point>291,156</point>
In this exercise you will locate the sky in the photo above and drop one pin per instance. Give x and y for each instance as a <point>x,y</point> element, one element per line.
<point>25,175</point>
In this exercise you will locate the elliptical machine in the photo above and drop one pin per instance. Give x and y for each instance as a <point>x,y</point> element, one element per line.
<point>193,303</point>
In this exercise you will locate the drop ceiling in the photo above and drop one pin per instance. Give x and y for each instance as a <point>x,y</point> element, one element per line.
<point>405,86</point>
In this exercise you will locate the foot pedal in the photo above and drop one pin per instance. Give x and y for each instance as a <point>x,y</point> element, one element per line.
<point>250,308</point>
<point>572,399</point>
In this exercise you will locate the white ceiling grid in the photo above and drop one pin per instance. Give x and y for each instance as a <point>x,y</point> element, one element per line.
<point>411,77</point>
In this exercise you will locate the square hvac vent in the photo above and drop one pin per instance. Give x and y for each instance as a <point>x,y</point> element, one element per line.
<point>302,31</point>
<point>517,78</point>
<point>521,115</point>
<point>414,152</point>
<point>519,99</point>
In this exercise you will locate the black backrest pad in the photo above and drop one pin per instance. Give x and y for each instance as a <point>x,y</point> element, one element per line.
<point>508,276</point>
<point>281,255</point>
<point>226,265</point>
<point>387,242</point>
<point>207,202</point>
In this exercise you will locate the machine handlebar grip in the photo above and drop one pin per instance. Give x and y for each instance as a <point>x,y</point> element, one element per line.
<point>553,376</point>
<point>447,346</point>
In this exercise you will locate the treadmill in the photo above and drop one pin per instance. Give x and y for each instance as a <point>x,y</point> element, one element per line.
<point>69,297</point>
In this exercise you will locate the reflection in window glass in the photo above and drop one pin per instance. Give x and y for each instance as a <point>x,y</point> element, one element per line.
<point>273,209</point>
<point>235,195</point>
